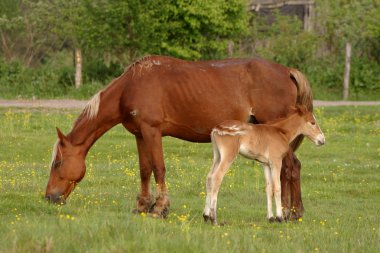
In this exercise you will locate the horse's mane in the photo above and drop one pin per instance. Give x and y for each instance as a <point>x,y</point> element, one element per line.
<point>90,111</point>
<point>92,107</point>
<point>144,63</point>
<point>54,153</point>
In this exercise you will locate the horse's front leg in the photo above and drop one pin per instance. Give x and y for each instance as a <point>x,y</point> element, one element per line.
<point>153,141</point>
<point>144,199</point>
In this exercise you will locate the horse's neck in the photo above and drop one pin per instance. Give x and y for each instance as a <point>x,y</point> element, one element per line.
<point>290,126</point>
<point>90,126</point>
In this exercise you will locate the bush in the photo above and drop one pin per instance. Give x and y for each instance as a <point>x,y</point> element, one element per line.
<point>98,71</point>
<point>17,81</point>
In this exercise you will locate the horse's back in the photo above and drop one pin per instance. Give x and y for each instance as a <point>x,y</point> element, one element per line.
<point>187,99</point>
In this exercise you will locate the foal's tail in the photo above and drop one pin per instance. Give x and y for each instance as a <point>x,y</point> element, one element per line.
<point>304,97</point>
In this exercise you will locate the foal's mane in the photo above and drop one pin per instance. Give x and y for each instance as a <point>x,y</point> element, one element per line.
<point>298,109</point>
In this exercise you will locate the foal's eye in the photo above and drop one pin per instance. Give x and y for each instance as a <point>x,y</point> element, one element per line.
<point>313,123</point>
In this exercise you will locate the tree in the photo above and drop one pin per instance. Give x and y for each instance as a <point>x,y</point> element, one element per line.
<point>190,30</point>
<point>23,31</point>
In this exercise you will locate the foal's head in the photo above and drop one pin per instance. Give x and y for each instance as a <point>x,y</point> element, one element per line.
<point>67,169</point>
<point>309,127</point>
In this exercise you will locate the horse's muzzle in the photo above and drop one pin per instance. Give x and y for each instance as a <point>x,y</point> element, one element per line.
<point>55,199</point>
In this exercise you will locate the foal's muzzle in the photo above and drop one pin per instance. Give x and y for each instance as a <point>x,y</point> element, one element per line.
<point>320,140</point>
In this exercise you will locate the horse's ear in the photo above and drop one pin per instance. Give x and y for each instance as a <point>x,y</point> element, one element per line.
<point>62,137</point>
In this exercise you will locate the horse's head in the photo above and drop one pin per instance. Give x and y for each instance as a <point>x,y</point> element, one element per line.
<point>310,128</point>
<point>67,169</point>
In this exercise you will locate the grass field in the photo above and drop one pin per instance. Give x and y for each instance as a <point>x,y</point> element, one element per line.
<point>340,187</point>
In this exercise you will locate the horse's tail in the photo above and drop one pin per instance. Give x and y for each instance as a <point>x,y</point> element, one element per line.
<point>304,97</point>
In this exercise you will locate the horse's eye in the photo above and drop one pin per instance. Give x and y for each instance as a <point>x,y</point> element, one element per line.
<point>313,123</point>
<point>57,164</point>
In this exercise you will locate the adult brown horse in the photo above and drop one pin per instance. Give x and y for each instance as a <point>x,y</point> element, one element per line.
<point>163,96</point>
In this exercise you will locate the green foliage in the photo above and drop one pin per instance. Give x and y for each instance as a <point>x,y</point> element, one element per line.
<point>284,41</point>
<point>97,70</point>
<point>340,190</point>
<point>189,30</point>
<point>112,34</point>
<point>19,81</point>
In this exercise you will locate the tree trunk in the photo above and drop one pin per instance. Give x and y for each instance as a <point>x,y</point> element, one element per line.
<point>346,80</point>
<point>78,68</point>
<point>230,49</point>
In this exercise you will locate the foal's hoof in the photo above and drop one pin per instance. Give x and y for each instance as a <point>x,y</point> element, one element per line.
<point>271,219</point>
<point>279,219</point>
<point>209,218</point>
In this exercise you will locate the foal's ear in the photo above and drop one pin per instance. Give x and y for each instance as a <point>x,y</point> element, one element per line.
<point>301,109</point>
<point>62,137</point>
<point>291,110</point>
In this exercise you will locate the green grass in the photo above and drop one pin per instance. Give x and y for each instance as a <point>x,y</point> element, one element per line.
<point>340,187</point>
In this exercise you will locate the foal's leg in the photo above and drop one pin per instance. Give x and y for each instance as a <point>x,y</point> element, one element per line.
<point>276,171</point>
<point>215,164</point>
<point>153,141</point>
<point>269,191</point>
<point>144,199</point>
<point>215,182</point>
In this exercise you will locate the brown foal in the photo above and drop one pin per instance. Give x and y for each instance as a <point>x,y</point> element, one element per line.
<point>266,143</point>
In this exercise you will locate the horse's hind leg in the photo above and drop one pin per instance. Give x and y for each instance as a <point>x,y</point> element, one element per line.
<point>153,141</point>
<point>291,187</point>
<point>144,199</point>
<point>296,200</point>
<point>286,174</point>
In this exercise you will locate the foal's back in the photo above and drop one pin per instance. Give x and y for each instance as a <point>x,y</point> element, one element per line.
<point>258,142</point>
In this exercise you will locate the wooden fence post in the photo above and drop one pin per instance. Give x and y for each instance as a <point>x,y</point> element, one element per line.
<point>230,49</point>
<point>346,80</point>
<point>78,68</point>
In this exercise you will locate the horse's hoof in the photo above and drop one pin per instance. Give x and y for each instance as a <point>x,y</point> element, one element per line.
<point>294,216</point>
<point>271,219</point>
<point>279,219</point>
<point>144,204</point>
<point>158,213</point>
<point>206,217</point>
<point>165,212</point>
<point>286,213</point>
